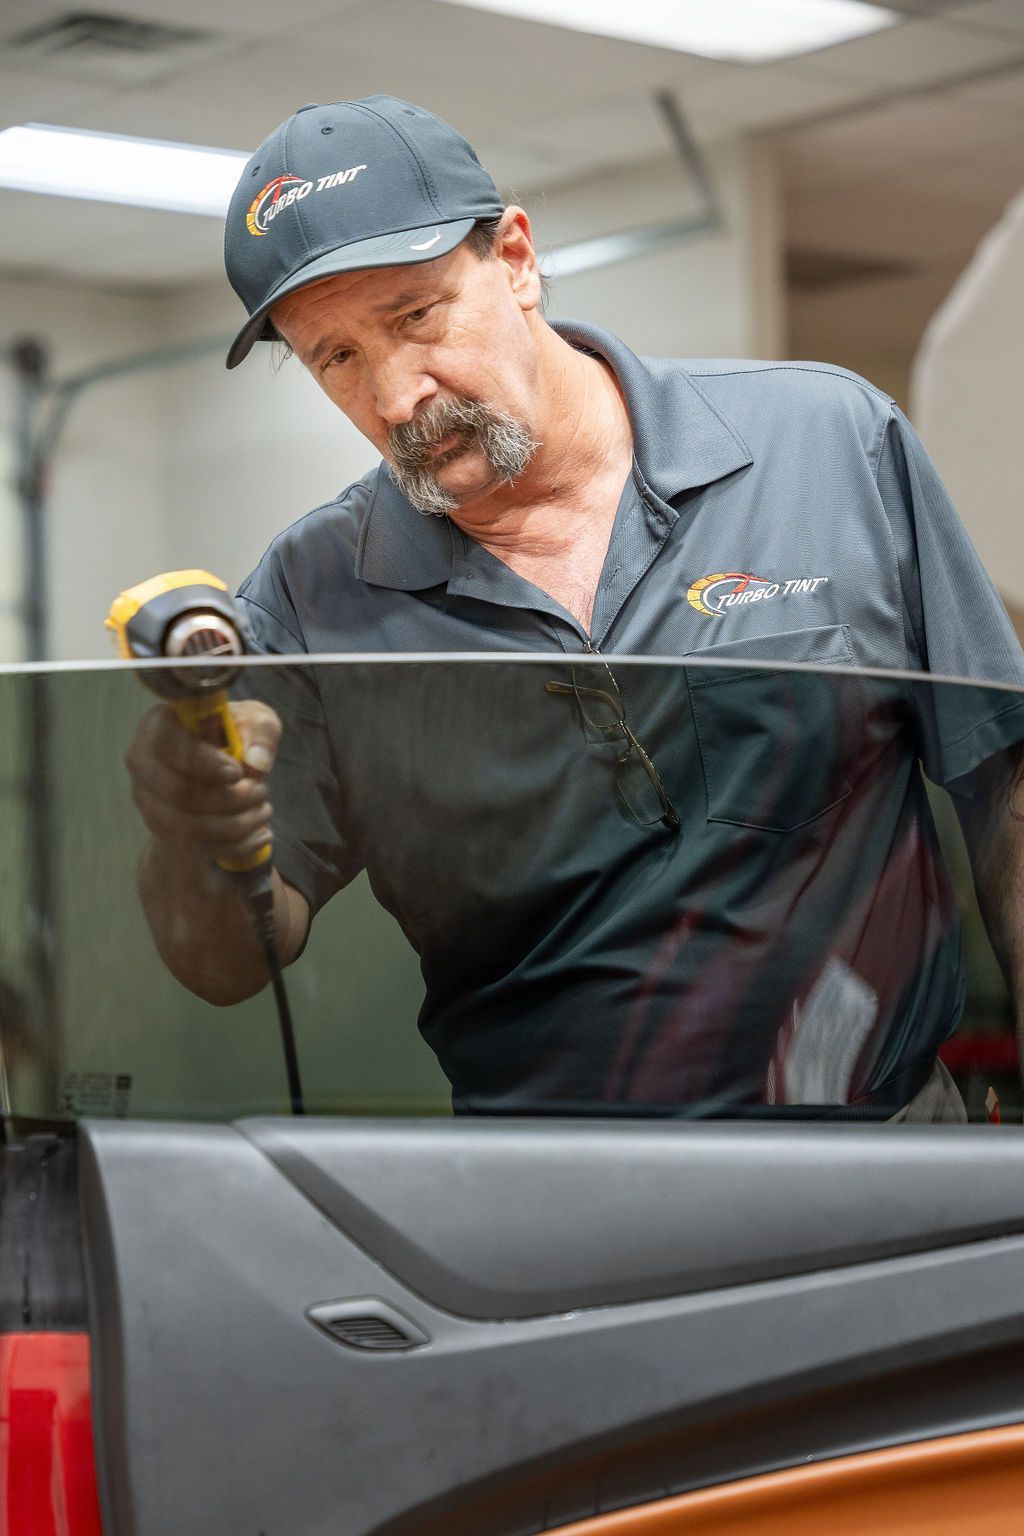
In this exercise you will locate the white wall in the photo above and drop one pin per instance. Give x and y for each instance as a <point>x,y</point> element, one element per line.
<point>250,450</point>
<point>714,295</point>
<point>967,399</point>
<point>193,465</point>
<point>106,524</point>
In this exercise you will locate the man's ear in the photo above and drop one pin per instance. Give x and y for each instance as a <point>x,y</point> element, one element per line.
<point>514,247</point>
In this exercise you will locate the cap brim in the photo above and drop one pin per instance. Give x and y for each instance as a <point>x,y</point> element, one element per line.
<point>404,248</point>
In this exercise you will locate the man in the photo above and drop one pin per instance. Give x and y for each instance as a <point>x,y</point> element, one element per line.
<point>654,888</point>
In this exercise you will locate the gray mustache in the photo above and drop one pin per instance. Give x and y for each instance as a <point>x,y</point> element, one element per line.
<point>504,441</point>
<point>411,441</point>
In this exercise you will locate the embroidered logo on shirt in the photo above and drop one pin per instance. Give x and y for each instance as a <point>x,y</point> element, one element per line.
<point>712,595</point>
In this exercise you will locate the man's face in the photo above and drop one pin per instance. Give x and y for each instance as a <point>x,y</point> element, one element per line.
<point>435,363</point>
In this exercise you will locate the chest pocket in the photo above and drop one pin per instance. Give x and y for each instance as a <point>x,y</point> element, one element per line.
<point>778,748</point>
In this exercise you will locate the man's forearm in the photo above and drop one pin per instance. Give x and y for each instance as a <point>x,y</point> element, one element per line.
<point>201,928</point>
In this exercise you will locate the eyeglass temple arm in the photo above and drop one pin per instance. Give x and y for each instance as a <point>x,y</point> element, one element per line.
<point>570,690</point>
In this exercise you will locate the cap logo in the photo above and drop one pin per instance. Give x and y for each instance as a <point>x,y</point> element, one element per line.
<point>284,191</point>
<point>425,245</point>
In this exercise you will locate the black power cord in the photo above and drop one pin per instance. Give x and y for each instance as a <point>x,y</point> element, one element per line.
<point>257,890</point>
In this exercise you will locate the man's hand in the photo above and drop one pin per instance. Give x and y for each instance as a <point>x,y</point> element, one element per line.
<point>200,806</point>
<point>197,798</point>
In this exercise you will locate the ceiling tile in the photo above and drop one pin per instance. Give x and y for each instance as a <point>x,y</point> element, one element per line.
<point>37,98</point>
<point>466,66</point>
<point>740,98</point>
<point>898,140</point>
<point>241,17</point>
<point>918,7</point>
<point>918,52</point>
<point>497,72</point>
<point>929,216</point>
<point>1003,95</point>
<point>19,14</point>
<point>217,104</point>
<point>1003,15</point>
<point>631,131</point>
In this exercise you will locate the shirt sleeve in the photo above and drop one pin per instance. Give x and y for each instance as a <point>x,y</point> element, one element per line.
<point>311,849</point>
<point>956,625</point>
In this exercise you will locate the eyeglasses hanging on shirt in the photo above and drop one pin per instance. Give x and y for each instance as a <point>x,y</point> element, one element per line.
<point>637,781</point>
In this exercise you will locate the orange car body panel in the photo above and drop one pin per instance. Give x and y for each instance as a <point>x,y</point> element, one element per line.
<point>963,1485</point>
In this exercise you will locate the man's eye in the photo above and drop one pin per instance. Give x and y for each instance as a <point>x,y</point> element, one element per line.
<point>338,357</point>
<point>414,315</point>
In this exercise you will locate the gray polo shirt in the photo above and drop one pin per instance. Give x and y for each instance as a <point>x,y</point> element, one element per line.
<point>578,952</point>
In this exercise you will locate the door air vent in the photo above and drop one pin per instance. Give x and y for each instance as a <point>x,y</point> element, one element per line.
<point>369,1333</point>
<point>367,1323</point>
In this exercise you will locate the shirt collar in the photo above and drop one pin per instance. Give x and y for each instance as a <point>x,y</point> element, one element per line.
<point>680,441</point>
<point>400,547</point>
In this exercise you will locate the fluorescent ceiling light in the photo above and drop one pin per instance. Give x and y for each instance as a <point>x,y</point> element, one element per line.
<point>110,168</point>
<point>745,31</point>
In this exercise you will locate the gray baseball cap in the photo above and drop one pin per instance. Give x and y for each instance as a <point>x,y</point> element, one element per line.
<point>371,183</point>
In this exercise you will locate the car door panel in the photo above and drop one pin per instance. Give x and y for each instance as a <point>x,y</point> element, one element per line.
<point>530,1399</point>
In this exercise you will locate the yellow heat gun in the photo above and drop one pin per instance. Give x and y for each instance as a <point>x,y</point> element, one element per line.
<point>187,616</point>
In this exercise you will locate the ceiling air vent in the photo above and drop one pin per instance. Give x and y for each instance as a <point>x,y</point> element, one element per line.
<point>367,1323</point>
<point>109,49</point>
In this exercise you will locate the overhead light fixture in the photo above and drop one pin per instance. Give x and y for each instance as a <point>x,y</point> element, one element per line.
<point>743,31</point>
<point>113,168</point>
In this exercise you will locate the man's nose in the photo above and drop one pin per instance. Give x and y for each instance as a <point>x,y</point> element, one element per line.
<point>400,387</point>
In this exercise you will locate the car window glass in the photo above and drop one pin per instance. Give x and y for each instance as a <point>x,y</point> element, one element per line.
<point>711,888</point>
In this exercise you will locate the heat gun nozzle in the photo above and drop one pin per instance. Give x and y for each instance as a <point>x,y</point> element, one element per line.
<point>202,633</point>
